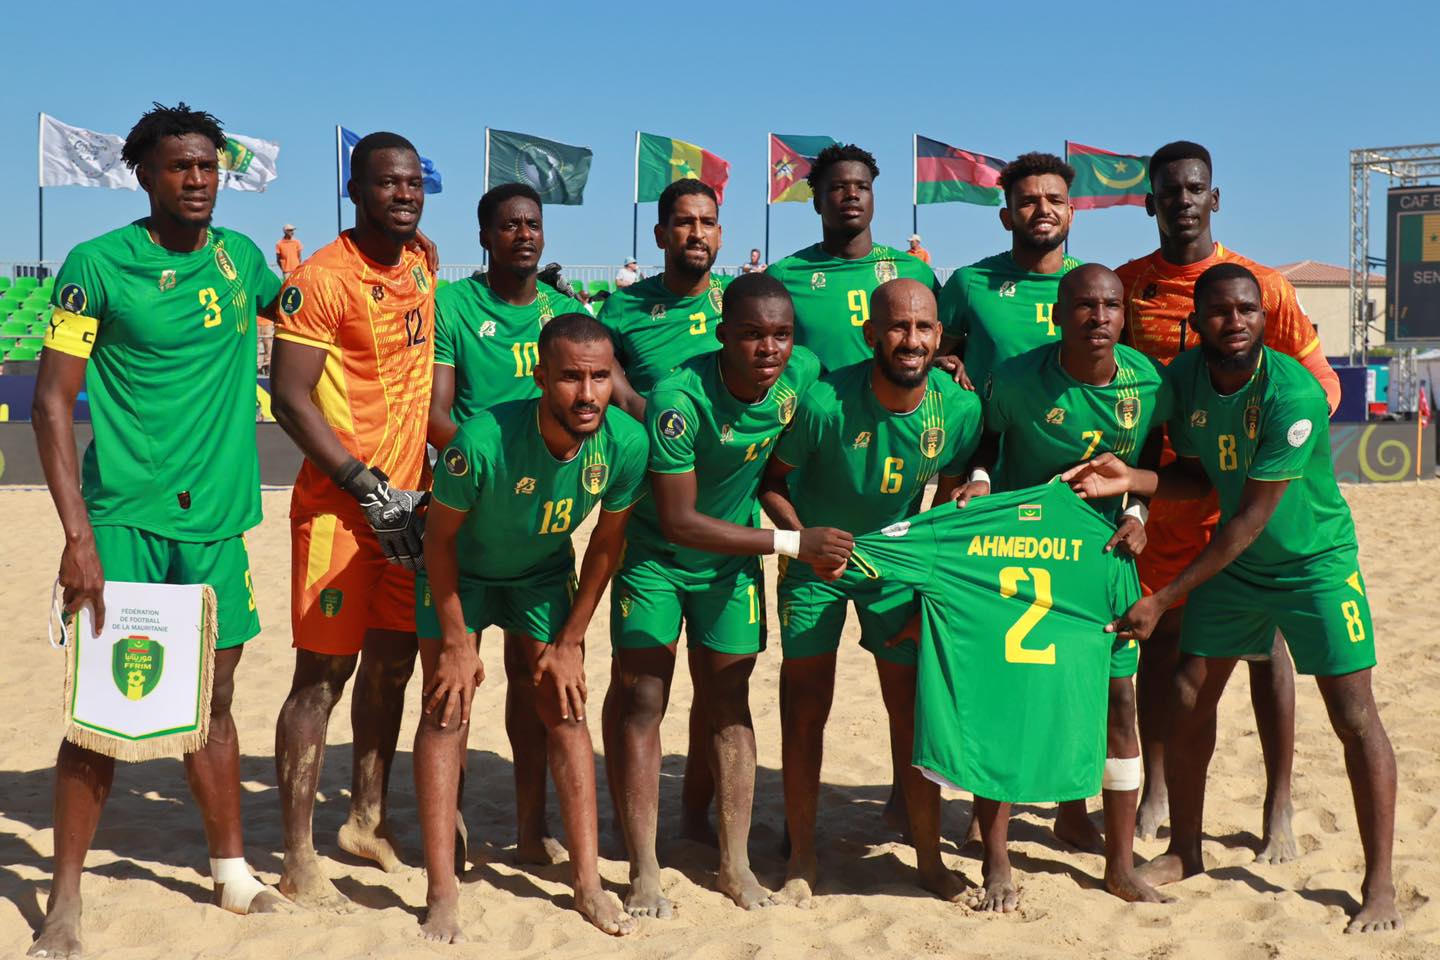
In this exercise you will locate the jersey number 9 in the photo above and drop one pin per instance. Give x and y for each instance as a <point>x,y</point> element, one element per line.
<point>859,303</point>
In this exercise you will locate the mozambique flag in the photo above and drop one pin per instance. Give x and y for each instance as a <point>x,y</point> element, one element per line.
<point>660,161</point>
<point>1105,179</point>
<point>1420,238</point>
<point>946,174</point>
<point>790,159</point>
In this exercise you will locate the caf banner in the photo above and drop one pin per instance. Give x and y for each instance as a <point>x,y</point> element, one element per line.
<point>141,689</point>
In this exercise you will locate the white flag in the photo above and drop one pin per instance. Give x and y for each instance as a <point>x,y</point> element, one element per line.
<point>76,156</point>
<point>247,163</point>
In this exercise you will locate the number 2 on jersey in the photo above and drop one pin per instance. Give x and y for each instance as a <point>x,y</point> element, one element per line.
<point>1015,650</point>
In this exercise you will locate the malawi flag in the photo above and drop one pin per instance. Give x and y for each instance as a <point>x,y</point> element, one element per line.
<point>1420,238</point>
<point>790,159</point>
<point>946,174</point>
<point>1105,179</point>
<point>660,161</point>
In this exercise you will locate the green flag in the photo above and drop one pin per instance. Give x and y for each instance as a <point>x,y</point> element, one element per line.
<point>557,171</point>
<point>1104,179</point>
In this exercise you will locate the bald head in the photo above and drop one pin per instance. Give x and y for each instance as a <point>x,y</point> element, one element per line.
<point>904,331</point>
<point>1089,277</point>
<point>1090,311</point>
<point>902,294</point>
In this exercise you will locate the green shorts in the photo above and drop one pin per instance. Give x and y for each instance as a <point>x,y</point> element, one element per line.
<point>812,613</point>
<point>137,556</point>
<point>535,606</point>
<point>649,599</point>
<point>1326,625</point>
<point>1124,658</point>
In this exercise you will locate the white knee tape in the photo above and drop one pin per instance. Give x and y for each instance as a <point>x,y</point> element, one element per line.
<point>1121,773</point>
<point>237,884</point>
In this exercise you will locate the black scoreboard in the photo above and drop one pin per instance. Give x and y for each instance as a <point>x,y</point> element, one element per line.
<point>1412,264</point>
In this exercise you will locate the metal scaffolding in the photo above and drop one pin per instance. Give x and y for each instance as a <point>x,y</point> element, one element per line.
<point>1405,167</point>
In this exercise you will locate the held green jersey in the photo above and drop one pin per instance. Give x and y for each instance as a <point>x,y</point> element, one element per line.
<point>1000,311</point>
<point>861,467</point>
<point>1276,427</point>
<point>832,297</point>
<point>171,378</point>
<point>1014,661</point>
<point>492,344</point>
<point>696,425</point>
<point>524,504</point>
<point>655,331</point>
<point>1048,421</point>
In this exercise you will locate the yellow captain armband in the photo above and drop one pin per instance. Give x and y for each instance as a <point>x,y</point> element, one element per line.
<point>71,333</point>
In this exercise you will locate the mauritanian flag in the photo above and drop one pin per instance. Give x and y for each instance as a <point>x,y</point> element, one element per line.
<point>946,174</point>
<point>660,161</point>
<point>1420,238</point>
<point>790,159</point>
<point>1105,179</point>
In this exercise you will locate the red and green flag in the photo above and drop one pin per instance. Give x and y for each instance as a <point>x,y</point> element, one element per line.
<point>1105,179</point>
<point>790,159</point>
<point>660,161</point>
<point>946,174</point>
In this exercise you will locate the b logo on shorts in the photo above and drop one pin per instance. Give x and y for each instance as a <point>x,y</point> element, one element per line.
<point>672,424</point>
<point>290,300</point>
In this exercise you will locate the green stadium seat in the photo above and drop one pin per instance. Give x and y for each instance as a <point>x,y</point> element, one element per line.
<point>48,283</point>
<point>595,286</point>
<point>33,343</point>
<point>441,282</point>
<point>23,353</point>
<point>14,328</point>
<point>25,283</point>
<point>4,283</point>
<point>25,315</point>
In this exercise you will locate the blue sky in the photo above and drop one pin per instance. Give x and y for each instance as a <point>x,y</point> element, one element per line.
<point>1271,88</point>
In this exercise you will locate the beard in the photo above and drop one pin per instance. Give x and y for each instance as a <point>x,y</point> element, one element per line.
<point>1027,242</point>
<point>899,376</point>
<point>562,417</point>
<point>1232,362</point>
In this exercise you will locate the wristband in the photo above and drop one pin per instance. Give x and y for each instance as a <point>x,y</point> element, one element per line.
<point>1139,511</point>
<point>979,475</point>
<point>359,480</point>
<point>787,543</point>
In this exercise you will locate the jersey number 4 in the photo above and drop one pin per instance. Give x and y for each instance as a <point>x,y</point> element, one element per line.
<point>1015,649</point>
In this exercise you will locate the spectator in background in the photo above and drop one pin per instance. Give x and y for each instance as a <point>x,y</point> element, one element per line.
<point>630,273</point>
<point>584,298</point>
<point>288,251</point>
<point>551,274</point>
<point>916,250</point>
<point>754,266</point>
<point>599,300</point>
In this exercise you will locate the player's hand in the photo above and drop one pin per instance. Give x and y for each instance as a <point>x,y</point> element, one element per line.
<point>954,366</point>
<point>1105,476</point>
<point>825,547</point>
<point>564,662</point>
<point>1129,537</point>
<point>911,632</point>
<point>82,580</point>
<point>397,518</point>
<point>966,492</point>
<point>458,671</point>
<point>830,574</point>
<point>423,244</point>
<point>1139,621</point>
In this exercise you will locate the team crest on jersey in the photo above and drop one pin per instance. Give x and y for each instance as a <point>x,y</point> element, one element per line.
<point>672,424</point>
<point>594,478</point>
<point>72,297</point>
<point>290,300</point>
<point>224,263</point>
<point>817,280</point>
<point>1029,512</point>
<point>787,409</point>
<point>1056,416</point>
<point>487,329</point>
<point>862,440</point>
<point>625,603</point>
<point>422,283</point>
<point>525,485</point>
<point>1199,418</point>
<point>167,280</point>
<point>727,433</point>
<point>931,442</point>
<point>1007,289</point>
<point>657,312</point>
<point>717,299</point>
<point>1252,420</point>
<point>377,293</point>
<point>1127,412</point>
<point>331,601</point>
<point>455,463</point>
<point>885,270</point>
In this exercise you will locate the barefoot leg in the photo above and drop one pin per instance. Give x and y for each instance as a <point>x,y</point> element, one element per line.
<point>698,791</point>
<point>1272,695</point>
<point>1122,743</point>
<point>1000,893</point>
<point>376,706</point>
<point>808,685</point>
<point>642,691</point>
<point>439,757</point>
<point>732,737</point>
<point>533,842</point>
<point>1158,658</point>
<point>82,784</point>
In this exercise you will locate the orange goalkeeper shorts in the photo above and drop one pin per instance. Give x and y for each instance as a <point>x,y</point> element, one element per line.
<point>1175,534</point>
<point>341,585</point>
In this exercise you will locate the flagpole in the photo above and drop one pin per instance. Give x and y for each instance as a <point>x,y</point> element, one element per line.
<point>635,225</point>
<point>339,187</point>
<point>484,253</point>
<point>1066,249</point>
<point>1419,431</point>
<point>769,173</point>
<point>914,183</point>
<point>40,180</point>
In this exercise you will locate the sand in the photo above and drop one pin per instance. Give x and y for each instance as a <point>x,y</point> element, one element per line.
<point>147,891</point>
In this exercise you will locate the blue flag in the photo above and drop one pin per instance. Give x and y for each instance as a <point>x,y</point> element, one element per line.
<point>348,139</point>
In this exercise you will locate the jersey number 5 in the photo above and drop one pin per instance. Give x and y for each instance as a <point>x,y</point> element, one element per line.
<point>1015,650</point>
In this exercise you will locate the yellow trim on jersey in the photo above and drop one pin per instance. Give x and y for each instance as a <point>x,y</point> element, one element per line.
<point>331,394</point>
<point>72,333</point>
<point>282,334</point>
<point>322,543</point>
<point>1308,350</point>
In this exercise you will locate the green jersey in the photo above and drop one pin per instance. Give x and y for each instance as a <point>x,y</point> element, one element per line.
<point>492,344</point>
<point>523,504</point>
<point>655,331</point>
<point>171,379</point>
<point>1000,311</point>
<point>832,297</point>
<point>696,425</point>
<point>1012,687</point>
<point>1048,421</point>
<point>861,467</point>
<point>1276,427</point>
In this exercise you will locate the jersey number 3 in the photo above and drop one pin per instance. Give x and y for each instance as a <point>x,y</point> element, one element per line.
<point>1015,649</point>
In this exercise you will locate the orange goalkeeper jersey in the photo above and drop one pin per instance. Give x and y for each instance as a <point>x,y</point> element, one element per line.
<point>376,325</point>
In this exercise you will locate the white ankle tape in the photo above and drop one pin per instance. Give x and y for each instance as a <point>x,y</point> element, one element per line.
<point>1121,773</point>
<point>237,884</point>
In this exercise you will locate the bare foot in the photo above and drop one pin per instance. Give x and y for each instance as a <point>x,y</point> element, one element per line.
<point>698,829</point>
<point>895,815</point>
<point>371,841</point>
<point>442,922</point>
<point>268,900</point>
<point>1074,827</point>
<point>541,851</point>
<point>1278,843</point>
<point>1151,816</point>
<point>799,888</point>
<point>1167,868</point>
<point>302,880</point>
<point>645,898</point>
<point>60,933</point>
<point>1000,894</point>
<point>1128,886</point>
<point>943,882</point>
<point>1377,914</point>
<point>742,887</point>
<point>604,911</point>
